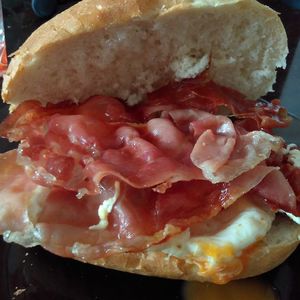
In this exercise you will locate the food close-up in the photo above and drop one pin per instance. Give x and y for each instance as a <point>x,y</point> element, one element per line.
<point>149,149</point>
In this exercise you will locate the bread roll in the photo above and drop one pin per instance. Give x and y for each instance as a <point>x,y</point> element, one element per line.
<point>277,245</point>
<point>126,49</point>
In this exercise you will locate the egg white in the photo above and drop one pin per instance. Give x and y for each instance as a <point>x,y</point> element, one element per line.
<point>222,239</point>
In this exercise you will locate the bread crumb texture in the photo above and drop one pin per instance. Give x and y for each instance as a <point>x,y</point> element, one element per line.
<point>127,48</point>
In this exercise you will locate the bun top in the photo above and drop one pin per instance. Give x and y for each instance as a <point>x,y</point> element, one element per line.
<point>127,48</point>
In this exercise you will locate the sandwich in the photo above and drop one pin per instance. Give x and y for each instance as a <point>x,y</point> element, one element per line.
<point>141,146</point>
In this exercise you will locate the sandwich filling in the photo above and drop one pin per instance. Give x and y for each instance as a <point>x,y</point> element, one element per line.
<point>99,178</point>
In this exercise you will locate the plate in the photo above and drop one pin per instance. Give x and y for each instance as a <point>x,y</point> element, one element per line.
<point>37,274</point>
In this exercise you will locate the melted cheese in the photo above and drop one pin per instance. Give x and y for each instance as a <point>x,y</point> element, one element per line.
<point>235,229</point>
<point>105,209</point>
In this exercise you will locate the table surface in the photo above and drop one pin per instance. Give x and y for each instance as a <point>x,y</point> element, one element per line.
<point>45,276</point>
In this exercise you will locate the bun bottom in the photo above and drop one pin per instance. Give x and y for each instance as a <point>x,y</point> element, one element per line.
<point>278,244</point>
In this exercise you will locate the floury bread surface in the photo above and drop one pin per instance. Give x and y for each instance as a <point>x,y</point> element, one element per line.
<point>126,49</point>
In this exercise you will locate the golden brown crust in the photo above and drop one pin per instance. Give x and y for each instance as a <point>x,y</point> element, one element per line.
<point>87,16</point>
<point>279,243</point>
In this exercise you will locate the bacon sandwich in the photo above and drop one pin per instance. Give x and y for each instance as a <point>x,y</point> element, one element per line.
<point>141,146</point>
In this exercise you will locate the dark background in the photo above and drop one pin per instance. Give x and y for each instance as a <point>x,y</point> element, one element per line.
<point>45,276</point>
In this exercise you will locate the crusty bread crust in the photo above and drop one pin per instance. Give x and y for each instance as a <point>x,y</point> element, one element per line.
<point>279,243</point>
<point>128,48</point>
